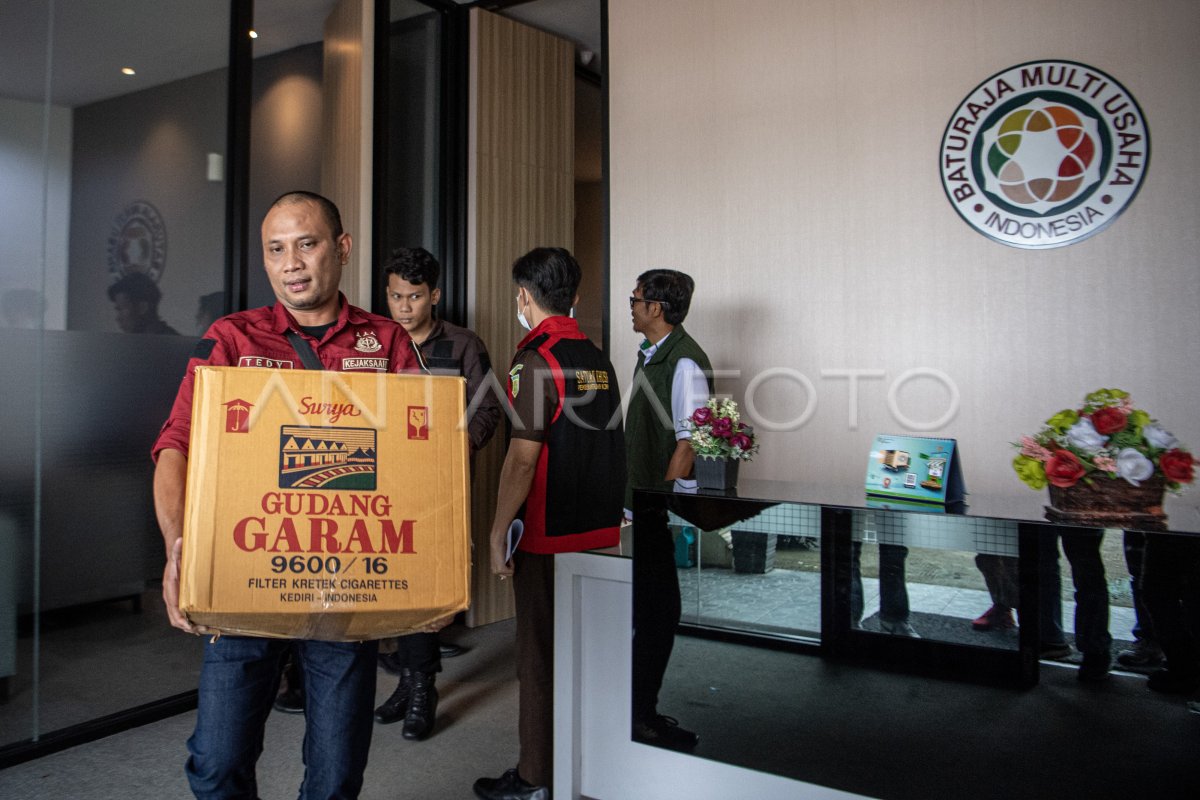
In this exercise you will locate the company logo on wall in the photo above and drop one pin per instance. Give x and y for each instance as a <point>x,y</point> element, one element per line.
<point>1044,154</point>
<point>138,241</point>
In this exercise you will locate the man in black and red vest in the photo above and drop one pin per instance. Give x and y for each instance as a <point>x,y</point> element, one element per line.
<point>563,478</point>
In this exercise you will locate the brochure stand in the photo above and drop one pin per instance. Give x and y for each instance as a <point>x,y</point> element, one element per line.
<point>915,472</point>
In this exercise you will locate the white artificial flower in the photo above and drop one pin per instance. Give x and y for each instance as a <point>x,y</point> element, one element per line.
<point>1158,437</point>
<point>1133,466</point>
<point>1084,436</point>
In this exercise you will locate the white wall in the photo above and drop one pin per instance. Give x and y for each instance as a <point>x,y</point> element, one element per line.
<point>784,153</point>
<point>35,168</point>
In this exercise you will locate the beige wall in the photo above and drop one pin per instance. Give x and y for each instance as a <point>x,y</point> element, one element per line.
<point>785,154</point>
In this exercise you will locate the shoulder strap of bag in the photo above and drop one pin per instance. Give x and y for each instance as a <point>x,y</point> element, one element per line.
<point>303,349</point>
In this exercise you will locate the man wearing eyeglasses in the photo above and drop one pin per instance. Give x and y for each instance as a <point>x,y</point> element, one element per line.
<point>673,375</point>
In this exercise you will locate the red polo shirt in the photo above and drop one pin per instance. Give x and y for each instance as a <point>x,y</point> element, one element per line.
<point>358,342</point>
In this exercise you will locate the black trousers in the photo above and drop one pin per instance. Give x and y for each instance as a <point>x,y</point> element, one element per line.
<point>1171,586</point>
<point>420,652</point>
<point>656,607</point>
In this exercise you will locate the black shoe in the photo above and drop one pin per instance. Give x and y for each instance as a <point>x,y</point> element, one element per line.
<point>1093,668</point>
<point>1170,682</point>
<point>450,650</point>
<point>664,732</point>
<point>422,706</point>
<point>509,786</point>
<point>290,701</point>
<point>1142,654</point>
<point>1053,651</point>
<point>898,628</point>
<point>395,707</point>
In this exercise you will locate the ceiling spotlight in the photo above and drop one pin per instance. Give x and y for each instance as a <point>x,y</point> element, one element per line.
<point>128,71</point>
<point>253,34</point>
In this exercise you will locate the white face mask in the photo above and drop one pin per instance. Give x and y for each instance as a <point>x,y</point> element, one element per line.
<point>521,316</point>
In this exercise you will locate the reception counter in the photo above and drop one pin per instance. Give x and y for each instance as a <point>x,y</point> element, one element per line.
<point>595,756</point>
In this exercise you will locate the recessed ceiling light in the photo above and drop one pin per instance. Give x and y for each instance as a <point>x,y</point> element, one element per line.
<point>253,34</point>
<point>128,71</point>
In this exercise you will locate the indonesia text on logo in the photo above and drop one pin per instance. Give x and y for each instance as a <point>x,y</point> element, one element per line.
<point>1044,154</point>
<point>326,458</point>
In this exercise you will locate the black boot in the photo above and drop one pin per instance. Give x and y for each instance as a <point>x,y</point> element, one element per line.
<point>395,707</point>
<point>291,699</point>
<point>422,706</point>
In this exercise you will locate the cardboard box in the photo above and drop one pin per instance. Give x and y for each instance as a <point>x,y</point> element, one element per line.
<point>325,505</point>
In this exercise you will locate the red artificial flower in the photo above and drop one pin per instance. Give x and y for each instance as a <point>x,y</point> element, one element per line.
<point>702,415</point>
<point>1108,421</point>
<point>741,441</point>
<point>1063,469</point>
<point>723,427</point>
<point>1176,465</point>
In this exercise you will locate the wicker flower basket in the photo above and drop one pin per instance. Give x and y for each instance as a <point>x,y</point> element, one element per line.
<point>1110,503</point>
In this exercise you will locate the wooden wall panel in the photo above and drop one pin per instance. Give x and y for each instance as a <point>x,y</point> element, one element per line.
<point>346,134</point>
<point>521,195</point>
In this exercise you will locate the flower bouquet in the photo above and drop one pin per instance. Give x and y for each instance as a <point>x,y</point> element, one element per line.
<point>721,441</point>
<point>1106,464</point>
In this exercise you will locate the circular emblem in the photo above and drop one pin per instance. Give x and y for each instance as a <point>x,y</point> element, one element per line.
<point>367,342</point>
<point>138,242</point>
<point>1044,154</point>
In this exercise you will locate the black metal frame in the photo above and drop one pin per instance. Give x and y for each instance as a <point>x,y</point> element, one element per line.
<point>606,280</point>
<point>56,741</point>
<point>237,155</point>
<point>455,56</point>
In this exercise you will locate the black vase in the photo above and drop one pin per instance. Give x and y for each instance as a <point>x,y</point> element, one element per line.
<point>716,473</point>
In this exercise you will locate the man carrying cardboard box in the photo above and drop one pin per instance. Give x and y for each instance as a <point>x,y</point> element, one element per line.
<point>563,477</point>
<point>304,250</point>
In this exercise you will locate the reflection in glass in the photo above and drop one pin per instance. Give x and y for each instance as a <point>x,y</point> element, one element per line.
<point>780,542</point>
<point>947,552</point>
<point>745,684</point>
<point>116,226</point>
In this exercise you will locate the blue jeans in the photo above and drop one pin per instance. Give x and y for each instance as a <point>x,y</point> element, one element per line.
<point>1050,631</point>
<point>238,683</point>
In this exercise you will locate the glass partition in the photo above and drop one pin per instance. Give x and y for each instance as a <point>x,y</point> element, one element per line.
<point>112,130</point>
<point>719,572</point>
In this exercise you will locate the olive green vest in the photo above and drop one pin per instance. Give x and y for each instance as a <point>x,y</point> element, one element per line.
<point>649,429</point>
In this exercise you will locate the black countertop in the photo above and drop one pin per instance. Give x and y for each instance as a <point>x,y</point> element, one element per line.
<point>1183,511</point>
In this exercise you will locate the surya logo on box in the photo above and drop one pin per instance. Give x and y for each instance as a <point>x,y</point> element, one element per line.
<point>327,458</point>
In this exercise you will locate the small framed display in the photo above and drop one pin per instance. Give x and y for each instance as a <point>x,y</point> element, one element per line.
<point>914,471</point>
